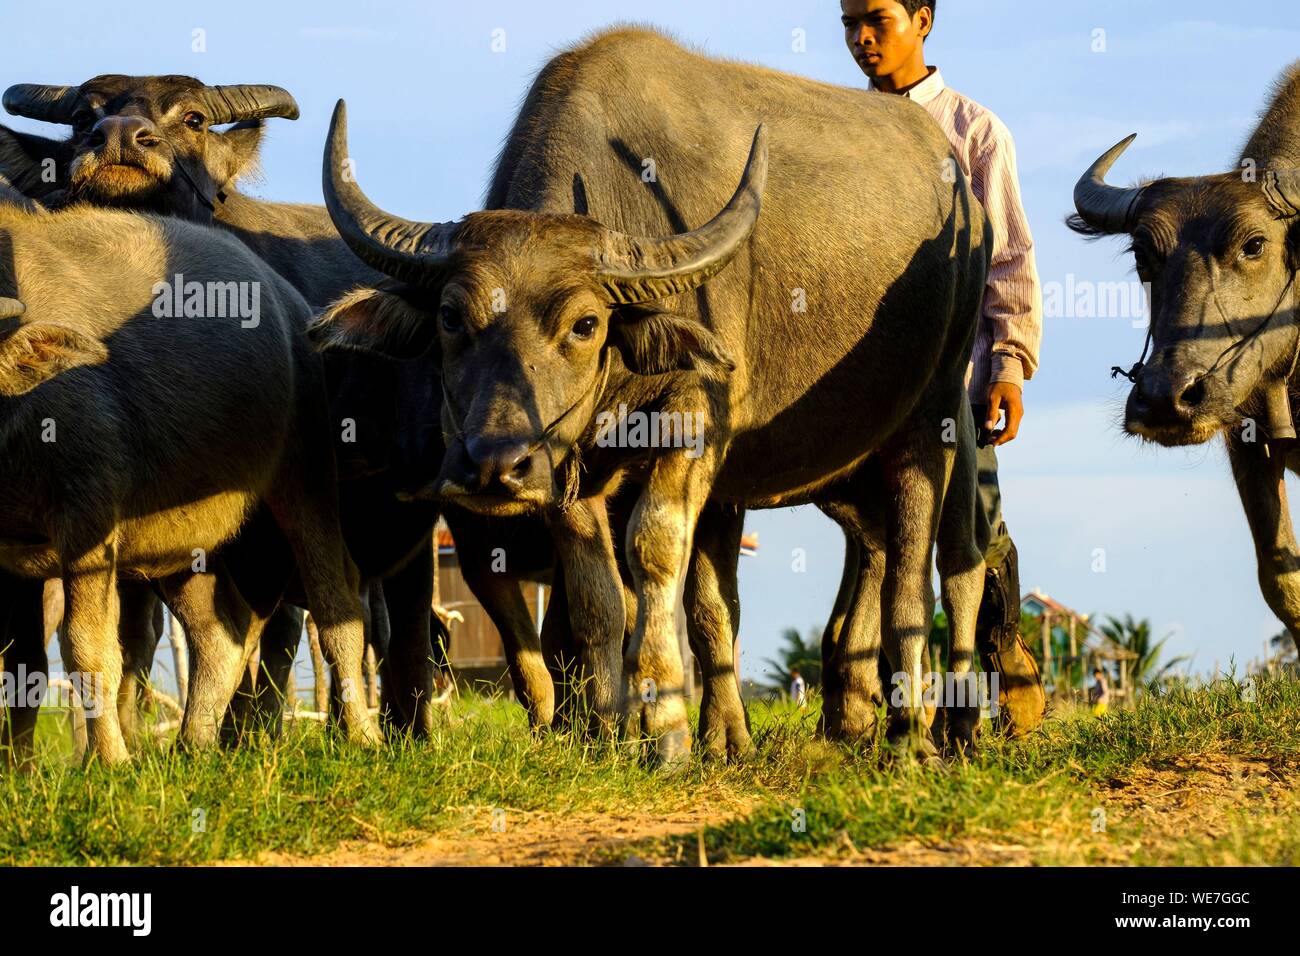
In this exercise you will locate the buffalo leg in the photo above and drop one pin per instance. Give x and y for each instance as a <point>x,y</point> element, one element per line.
<point>560,652</point>
<point>498,591</point>
<point>500,596</point>
<point>408,663</point>
<point>594,593</point>
<point>1261,483</point>
<point>854,666</point>
<point>333,586</point>
<point>712,601</point>
<point>139,635</point>
<point>281,637</point>
<point>219,630</point>
<point>22,651</point>
<point>915,475</point>
<point>91,653</point>
<point>832,688</point>
<point>961,574</point>
<point>659,541</point>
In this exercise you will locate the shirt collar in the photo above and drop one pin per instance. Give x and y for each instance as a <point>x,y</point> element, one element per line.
<point>927,89</point>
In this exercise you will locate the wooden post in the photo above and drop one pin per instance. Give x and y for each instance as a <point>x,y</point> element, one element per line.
<point>322,691</point>
<point>372,677</point>
<point>437,584</point>
<point>1047,646</point>
<point>180,659</point>
<point>1074,652</point>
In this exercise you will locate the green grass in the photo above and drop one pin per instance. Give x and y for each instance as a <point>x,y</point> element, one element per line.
<point>1032,801</point>
<point>1043,795</point>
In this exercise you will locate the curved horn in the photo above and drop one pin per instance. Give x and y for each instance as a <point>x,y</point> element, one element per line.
<point>412,251</point>
<point>1282,189</point>
<point>10,308</point>
<point>1107,208</point>
<point>53,104</point>
<point>636,269</point>
<point>234,104</point>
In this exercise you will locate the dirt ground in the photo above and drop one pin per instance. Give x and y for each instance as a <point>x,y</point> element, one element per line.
<point>1176,803</point>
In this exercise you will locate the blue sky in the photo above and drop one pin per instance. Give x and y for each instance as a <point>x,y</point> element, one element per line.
<point>430,101</point>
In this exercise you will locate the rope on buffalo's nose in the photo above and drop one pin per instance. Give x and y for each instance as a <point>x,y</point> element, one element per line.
<point>1255,332</point>
<point>180,168</point>
<point>573,460</point>
<point>1136,370</point>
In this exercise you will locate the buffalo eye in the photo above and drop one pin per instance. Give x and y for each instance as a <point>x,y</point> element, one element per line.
<point>585,327</point>
<point>450,319</point>
<point>82,119</point>
<point>1253,247</point>
<point>194,120</point>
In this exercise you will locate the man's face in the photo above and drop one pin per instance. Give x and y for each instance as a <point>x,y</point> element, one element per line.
<point>881,35</point>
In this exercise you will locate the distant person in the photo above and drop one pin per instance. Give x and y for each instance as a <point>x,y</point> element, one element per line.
<point>887,39</point>
<point>798,689</point>
<point>1099,693</point>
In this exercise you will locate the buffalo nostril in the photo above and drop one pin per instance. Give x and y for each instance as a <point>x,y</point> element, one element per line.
<point>1192,395</point>
<point>515,473</point>
<point>522,467</point>
<point>506,463</point>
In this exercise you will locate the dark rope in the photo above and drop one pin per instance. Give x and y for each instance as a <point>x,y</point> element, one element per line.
<point>180,168</point>
<point>573,459</point>
<point>1136,370</point>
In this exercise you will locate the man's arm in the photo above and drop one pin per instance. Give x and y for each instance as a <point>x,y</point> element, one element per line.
<point>1012,295</point>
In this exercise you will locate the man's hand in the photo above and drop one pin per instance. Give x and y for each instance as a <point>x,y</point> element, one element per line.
<point>1003,396</point>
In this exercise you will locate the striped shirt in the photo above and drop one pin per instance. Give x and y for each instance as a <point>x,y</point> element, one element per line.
<point>1011,321</point>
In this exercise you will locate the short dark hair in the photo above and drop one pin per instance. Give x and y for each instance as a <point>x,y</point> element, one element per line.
<point>912,6</point>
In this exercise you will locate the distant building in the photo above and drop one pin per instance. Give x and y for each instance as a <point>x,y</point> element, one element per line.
<point>1070,647</point>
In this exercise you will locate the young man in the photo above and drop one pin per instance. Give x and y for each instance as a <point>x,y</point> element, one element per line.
<point>887,39</point>
<point>1099,692</point>
<point>798,688</point>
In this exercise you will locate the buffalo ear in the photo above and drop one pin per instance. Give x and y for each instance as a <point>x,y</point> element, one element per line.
<point>242,142</point>
<point>652,342</point>
<point>376,319</point>
<point>25,162</point>
<point>37,352</point>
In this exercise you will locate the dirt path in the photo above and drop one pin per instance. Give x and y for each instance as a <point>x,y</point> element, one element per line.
<point>528,839</point>
<point>1186,801</point>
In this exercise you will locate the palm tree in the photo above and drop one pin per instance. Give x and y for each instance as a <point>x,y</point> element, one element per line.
<point>798,652</point>
<point>1284,649</point>
<point>1135,636</point>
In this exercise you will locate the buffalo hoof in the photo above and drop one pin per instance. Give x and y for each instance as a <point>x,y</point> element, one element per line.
<point>724,734</point>
<point>961,730</point>
<point>672,751</point>
<point>851,726</point>
<point>915,745</point>
<point>107,753</point>
<point>366,735</point>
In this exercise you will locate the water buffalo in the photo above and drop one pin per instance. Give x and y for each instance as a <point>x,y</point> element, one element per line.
<point>1221,254</point>
<point>133,443</point>
<point>849,307</point>
<point>149,143</point>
